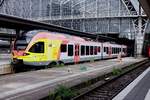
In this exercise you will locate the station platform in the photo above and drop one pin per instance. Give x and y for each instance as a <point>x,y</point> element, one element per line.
<point>5,66</point>
<point>139,89</point>
<point>35,85</point>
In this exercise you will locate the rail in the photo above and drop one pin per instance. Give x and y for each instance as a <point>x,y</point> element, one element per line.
<point>111,87</point>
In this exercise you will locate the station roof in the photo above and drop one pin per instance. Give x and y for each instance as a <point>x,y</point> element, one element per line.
<point>135,3</point>
<point>12,22</point>
<point>146,6</point>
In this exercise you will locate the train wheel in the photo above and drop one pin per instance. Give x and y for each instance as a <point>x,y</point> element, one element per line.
<point>61,64</point>
<point>16,68</point>
<point>52,64</point>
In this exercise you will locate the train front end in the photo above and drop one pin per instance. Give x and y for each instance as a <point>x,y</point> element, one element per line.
<point>36,48</point>
<point>20,52</point>
<point>19,48</point>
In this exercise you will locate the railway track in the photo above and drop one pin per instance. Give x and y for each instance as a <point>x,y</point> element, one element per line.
<point>112,87</point>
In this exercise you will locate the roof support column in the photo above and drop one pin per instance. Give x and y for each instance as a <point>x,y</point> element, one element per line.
<point>140,26</point>
<point>18,33</point>
<point>139,37</point>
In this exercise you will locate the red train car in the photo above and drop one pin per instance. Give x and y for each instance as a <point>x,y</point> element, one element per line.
<point>148,50</point>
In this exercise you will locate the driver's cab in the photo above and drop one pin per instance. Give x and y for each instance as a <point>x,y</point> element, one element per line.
<point>35,54</point>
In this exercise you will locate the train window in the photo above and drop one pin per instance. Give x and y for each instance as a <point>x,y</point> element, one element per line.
<point>117,50</point>
<point>63,48</point>
<point>37,48</point>
<point>95,50</point>
<point>99,49</point>
<point>87,50</point>
<point>70,50</point>
<point>91,50</point>
<point>112,50</point>
<point>82,50</point>
<point>123,49</point>
<point>107,50</point>
<point>104,49</point>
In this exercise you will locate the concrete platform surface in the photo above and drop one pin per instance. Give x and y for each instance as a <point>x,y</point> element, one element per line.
<point>37,84</point>
<point>5,56</point>
<point>5,62</point>
<point>139,89</point>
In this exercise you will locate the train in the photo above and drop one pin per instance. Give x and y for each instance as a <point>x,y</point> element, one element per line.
<point>148,51</point>
<point>45,48</point>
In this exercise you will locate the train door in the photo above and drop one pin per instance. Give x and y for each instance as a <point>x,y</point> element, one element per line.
<point>76,53</point>
<point>110,51</point>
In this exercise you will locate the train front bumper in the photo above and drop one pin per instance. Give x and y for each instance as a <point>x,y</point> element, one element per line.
<point>30,63</point>
<point>44,63</point>
<point>16,61</point>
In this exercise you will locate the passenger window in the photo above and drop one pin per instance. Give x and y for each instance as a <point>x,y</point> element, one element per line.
<point>70,50</point>
<point>106,50</point>
<point>63,48</point>
<point>124,50</point>
<point>95,50</point>
<point>37,48</point>
<point>91,50</point>
<point>82,50</point>
<point>87,50</point>
<point>112,50</point>
<point>116,50</point>
<point>99,49</point>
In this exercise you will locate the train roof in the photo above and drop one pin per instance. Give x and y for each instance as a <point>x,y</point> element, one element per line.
<point>37,34</point>
<point>52,35</point>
